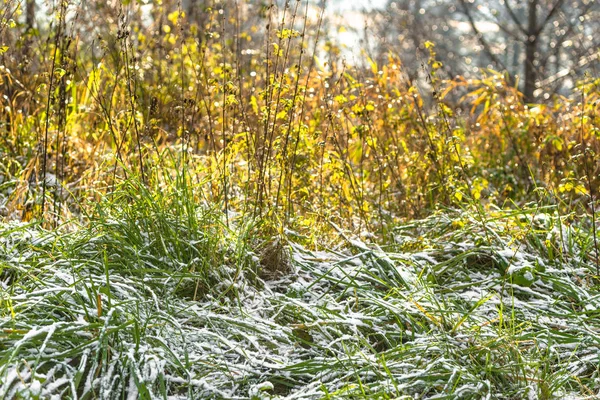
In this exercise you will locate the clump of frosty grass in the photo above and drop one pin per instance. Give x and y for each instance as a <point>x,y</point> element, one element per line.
<point>445,312</point>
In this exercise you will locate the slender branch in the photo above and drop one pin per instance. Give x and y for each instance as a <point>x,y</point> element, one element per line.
<point>506,29</point>
<point>496,21</point>
<point>555,7</point>
<point>480,37</point>
<point>513,16</point>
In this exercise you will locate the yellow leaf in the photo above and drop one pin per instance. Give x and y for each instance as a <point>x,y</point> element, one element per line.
<point>254,104</point>
<point>373,65</point>
<point>580,189</point>
<point>174,16</point>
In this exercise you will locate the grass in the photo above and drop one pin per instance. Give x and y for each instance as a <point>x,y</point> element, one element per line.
<point>216,205</point>
<point>176,308</point>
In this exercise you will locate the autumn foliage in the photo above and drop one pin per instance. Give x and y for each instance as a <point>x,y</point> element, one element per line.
<point>263,118</point>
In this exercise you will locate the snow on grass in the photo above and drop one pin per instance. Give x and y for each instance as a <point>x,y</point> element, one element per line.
<point>456,317</point>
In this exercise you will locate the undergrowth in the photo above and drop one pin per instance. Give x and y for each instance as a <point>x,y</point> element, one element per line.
<point>215,204</point>
<point>254,109</point>
<point>104,312</point>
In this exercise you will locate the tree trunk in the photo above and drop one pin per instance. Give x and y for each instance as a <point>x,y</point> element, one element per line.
<point>516,63</point>
<point>30,14</point>
<point>530,50</point>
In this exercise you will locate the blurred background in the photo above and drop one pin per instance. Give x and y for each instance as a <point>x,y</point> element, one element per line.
<point>543,45</point>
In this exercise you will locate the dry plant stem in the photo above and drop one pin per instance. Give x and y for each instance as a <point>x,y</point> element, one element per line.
<point>363,145</point>
<point>270,134</point>
<point>588,176</point>
<point>206,99</point>
<point>184,135</point>
<point>106,110</point>
<point>292,116</point>
<point>60,172</point>
<point>195,109</point>
<point>323,144</point>
<point>242,105</point>
<point>131,89</point>
<point>321,159</point>
<point>281,79</point>
<point>59,165</point>
<point>392,134</point>
<point>61,19</point>
<point>303,110</point>
<point>260,144</point>
<point>224,121</point>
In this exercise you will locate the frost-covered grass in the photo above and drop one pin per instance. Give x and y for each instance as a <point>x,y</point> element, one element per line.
<point>154,305</point>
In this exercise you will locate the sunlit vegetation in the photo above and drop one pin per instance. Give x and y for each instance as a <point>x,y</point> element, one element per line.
<point>218,205</point>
